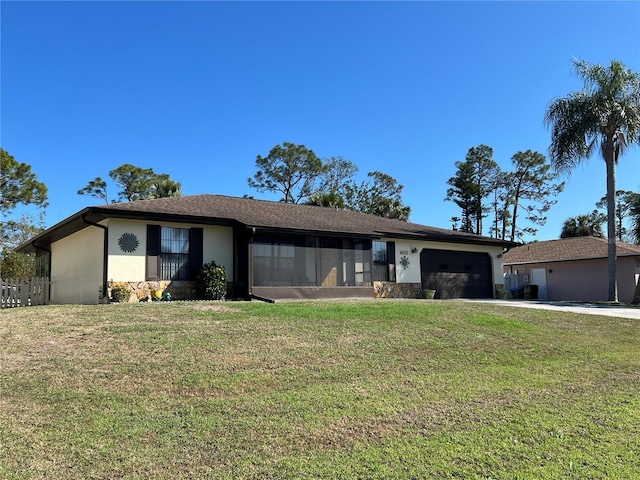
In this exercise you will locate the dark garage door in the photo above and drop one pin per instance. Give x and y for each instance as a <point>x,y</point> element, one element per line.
<point>456,274</point>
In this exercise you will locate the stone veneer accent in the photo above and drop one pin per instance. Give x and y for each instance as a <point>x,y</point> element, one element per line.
<point>414,290</point>
<point>397,290</point>
<point>141,291</point>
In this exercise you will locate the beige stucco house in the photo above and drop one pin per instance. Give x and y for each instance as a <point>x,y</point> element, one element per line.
<point>270,250</point>
<point>574,268</point>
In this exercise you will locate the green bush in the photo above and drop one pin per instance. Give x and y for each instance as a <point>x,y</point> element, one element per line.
<point>120,292</point>
<point>211,283</point>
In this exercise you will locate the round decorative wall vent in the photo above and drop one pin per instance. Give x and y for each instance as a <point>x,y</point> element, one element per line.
<point>128,242</point>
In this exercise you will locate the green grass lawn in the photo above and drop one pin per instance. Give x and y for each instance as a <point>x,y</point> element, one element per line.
<point>358,389</point>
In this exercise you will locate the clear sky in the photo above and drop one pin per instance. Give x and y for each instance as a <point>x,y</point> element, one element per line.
<point>198,89</point>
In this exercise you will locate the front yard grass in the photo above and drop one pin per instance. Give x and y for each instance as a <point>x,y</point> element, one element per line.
<point>353,389</point>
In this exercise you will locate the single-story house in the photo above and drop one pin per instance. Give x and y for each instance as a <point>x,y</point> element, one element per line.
<point>270,250</point>
<point>574,268</point>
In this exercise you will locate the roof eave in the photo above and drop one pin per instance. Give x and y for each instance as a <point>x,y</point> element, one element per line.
<point>76,222</point>
<point>434,237</point>
<point>66,227</point>
<point>525,262</point>
<point>96,214</point>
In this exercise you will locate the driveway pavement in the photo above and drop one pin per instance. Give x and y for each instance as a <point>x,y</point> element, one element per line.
<point>582,308</point>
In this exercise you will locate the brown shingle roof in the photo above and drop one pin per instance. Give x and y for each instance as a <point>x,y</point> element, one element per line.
<point>260,214</point>
<point>287,216</point>
<point>576,248</point>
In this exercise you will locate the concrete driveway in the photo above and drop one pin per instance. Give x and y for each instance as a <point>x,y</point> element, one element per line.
<point>581,308</point>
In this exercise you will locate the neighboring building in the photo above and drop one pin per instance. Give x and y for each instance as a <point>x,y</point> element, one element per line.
<point>270,250</point>
<point>574,268</point>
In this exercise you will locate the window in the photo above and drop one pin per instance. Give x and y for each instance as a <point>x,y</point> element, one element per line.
<point>42,265</point>
<point>173,253</point>
<point>380,262</point>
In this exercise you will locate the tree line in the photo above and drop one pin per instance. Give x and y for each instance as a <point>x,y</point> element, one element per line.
<point>627,219</point>
<point>292,170</point>
<point>300,176</point>
<point>134,183</point>
<point>483,190</point>
<point>18,186</point>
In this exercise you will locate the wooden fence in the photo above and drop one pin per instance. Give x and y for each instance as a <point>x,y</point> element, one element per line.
<point>24,292</point>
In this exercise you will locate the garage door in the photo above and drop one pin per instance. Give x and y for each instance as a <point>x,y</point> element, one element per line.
<point>456,274</point>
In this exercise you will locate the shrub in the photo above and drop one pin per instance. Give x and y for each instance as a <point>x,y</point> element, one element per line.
<point>211,283</point>
<point>17,265</point>
<point>120,293</point>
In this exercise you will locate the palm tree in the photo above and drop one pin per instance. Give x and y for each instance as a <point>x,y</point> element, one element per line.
<point>589,225</point>
<point>163,186</point>
<point>605,114</point>
<point>330,200</point>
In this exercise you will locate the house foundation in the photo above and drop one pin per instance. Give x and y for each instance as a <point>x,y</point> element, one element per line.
<point>144,291</point>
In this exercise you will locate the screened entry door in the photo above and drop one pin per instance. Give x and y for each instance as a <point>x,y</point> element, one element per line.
<point>454,274</point>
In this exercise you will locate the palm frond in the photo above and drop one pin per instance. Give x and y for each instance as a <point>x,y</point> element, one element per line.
<point>607,109</point>
<point>572,131</point>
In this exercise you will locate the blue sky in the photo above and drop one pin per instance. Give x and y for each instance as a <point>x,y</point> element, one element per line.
<point>198,89</point>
